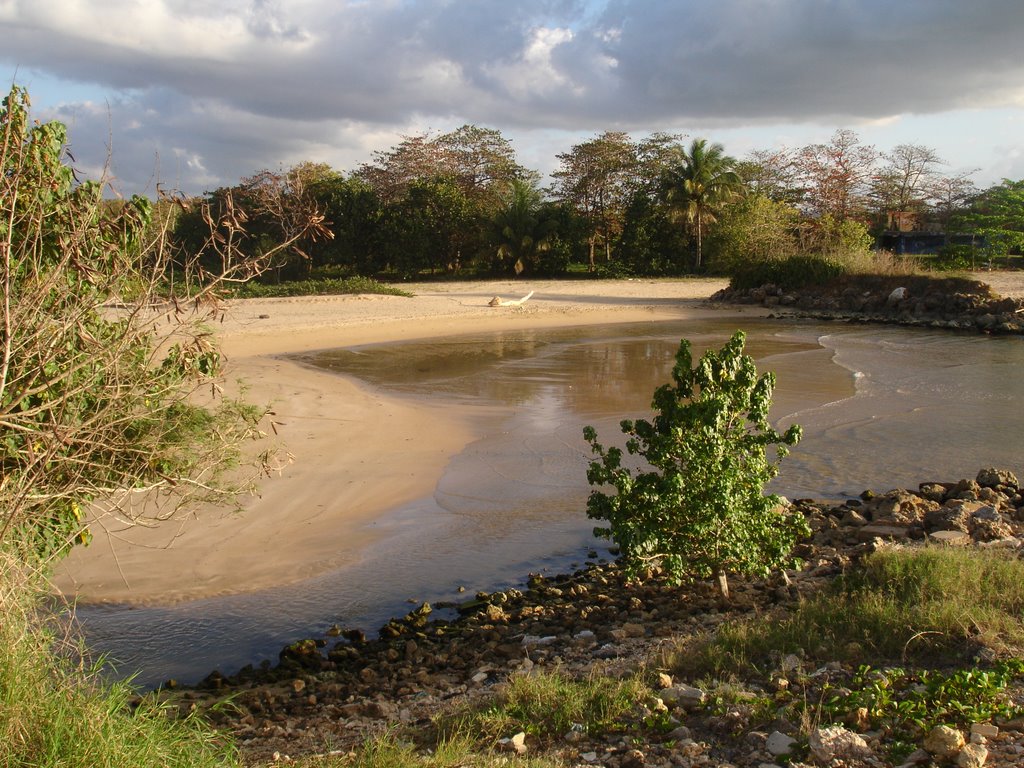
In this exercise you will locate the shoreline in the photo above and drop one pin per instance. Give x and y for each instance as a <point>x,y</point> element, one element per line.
<point>319,514</point>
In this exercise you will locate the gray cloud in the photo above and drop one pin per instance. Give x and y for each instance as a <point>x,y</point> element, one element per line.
<point>225,89</point>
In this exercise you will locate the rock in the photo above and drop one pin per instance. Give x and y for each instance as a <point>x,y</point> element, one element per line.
<point>516,744</point>
<point>933,491</point>
<point>633,759</point>
<point>954,515</point>
<point>950,538</point>
<point>965,489</point>
<point>683,696</point>
<point>779,744</point>
<point>987,730</point>
<point>994,478</point>
<point>883,531</point>
<point>680,733</point>
<point>943,742</point>
<point>836,742</point>
<point>972,756</point>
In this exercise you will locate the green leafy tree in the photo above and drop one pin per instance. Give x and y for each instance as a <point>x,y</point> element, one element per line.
<point>596,178</point>
<point>521,230</point>
<point>700,186</point>
<point>997,215</point>
<point>754,230</point>
<point>100,362</point>
<point>700,510</point>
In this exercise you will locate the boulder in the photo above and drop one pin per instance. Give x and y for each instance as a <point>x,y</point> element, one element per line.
<point>995,478</point>
<point>838,743</point>
<point>943,742</point>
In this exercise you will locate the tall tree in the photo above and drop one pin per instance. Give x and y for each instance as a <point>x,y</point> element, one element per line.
<point>480,160</point>
<point>521,231</point>
<point>837,176</point>
<point>951,194</point>
<point>596,178</point>
<point>699,186</point>
<point>905,182</point>
<point>997,214</point>
<point>771,173</point>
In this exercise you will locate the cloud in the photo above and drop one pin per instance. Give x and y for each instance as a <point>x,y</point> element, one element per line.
<point>243,84</point>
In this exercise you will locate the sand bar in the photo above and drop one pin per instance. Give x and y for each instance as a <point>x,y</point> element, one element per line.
<point>357,453</point>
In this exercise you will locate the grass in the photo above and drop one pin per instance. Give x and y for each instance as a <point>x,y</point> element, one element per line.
<point>324,286</point>
<point>55,710</point>
<point>460,752</point>
<point>940,606</point>
<point>547,705</point>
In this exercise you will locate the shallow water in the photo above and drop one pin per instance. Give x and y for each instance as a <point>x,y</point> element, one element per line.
<point>880,407</point>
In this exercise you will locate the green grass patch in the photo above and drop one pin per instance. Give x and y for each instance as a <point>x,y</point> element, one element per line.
<point>327,286</point>
<point>933,606</point>
<point>55,711</point>
<point>547,705</point>
<point>390,752</point>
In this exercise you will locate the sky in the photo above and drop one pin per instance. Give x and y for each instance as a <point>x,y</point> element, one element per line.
<point>196,94</point>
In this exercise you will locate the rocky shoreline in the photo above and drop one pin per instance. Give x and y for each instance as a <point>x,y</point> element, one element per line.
<point>956,304</point>
<point>334,692</point>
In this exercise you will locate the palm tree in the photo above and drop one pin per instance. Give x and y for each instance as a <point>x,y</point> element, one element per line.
<point>521,232</point>
<point>699,185</point>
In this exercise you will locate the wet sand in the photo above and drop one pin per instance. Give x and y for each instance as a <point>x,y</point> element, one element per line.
<point>356,453</point>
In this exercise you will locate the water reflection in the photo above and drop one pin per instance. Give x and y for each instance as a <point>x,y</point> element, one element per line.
<point>880,407</point>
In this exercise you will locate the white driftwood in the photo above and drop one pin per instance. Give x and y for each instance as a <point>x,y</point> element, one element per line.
<point>497,301</point>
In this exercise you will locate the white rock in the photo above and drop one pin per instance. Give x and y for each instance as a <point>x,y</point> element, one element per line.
<point>779,743</point>
<point>836,742</point>
<point>682,696</point>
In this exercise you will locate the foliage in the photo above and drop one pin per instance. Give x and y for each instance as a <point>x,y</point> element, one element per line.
<point>595,178</point>
<point>997,215</point>
<point>699,187</point>
<point>651,241</point>
<point>837,176</point>
<point>789,274</point>
<point>271,215</point>
<point>755,230</point>
<point>99,364</point>
<point>521,230</point>
<point>56,711</point>
<point>430,229</point>
<point>700,510</point>
<point>906,704</point>
<point>318,286</point>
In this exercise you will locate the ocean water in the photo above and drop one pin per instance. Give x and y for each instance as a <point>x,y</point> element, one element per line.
<point>880,408</point>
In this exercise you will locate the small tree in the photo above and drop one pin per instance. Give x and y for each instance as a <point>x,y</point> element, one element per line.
<point>700,510</point>
<point>105,357</point>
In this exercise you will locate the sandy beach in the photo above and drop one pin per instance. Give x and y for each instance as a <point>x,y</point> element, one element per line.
<point>356,452</point>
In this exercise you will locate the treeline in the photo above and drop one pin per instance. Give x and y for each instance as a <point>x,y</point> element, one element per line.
<point>460,203</point>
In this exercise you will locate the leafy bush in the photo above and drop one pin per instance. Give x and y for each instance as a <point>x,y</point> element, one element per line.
<point>701,510</point>
<point>97,366</point>
<point>789,274</point>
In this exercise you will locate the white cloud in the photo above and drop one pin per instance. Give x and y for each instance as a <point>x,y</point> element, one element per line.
<point>246,84</point>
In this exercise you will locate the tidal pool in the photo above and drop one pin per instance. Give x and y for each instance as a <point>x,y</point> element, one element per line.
<point>881,408</point>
